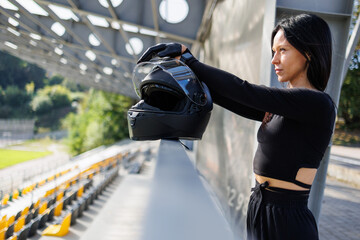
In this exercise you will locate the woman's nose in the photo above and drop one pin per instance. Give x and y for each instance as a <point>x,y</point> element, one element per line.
<point>275,58</point>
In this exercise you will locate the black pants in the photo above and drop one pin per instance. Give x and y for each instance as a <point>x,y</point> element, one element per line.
<point>277,214</point>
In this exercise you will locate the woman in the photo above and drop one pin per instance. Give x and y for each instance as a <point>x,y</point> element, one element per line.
<point>297,123</point>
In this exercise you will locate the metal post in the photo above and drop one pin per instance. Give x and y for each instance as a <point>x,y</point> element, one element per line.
<point>318,186</point>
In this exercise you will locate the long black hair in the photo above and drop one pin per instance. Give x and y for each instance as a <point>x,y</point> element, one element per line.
<point>311,36</point>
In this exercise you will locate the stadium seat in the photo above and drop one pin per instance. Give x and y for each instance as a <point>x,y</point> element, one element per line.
<point>33,226</point>
<point>14,237</point>
<point>43,219</point>
<point>35,212</point>
<point>28,218</point>
<point>74,213</point>
<point>3,223</point>
<point>15,194</point>
<point>59,196</point>
<point>2,233</point>
<point>67,201</point>
<point>18,215</point>
<point>25,211</point>
<point>80,191</point>
<point>59,230</point>
<point>37,204</point>
<point>9,231</point>
<point>58,208</point>
<point>51,212</point>
<point>11,220</point>
<point>43,207</point>
<point>23,233</point>
<point>5,199</point>
<point>19,224</point>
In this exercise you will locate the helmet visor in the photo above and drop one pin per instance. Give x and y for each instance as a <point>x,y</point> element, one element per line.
<point>179,72</point>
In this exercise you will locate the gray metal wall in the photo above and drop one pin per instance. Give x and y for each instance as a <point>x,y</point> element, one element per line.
<point>239,42</point>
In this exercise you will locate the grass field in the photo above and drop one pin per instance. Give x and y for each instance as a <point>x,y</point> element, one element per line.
<point>11,157</point>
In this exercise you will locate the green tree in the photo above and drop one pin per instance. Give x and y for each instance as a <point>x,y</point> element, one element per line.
<point>349,103</point>
<point>14,103</point>
<point>101,120</point>
<point>56,80</point>
<point>59,95</point>
<point>16,72</point>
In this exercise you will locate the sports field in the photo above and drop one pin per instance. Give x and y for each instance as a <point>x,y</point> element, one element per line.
<point>10,157</point>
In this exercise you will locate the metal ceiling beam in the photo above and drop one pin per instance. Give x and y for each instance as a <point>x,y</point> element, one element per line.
<point>74,43</point>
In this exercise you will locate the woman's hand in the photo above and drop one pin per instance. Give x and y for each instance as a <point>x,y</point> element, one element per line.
<point>174,50</point>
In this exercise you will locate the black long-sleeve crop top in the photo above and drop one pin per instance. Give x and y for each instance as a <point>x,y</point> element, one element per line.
<point>299,131</point>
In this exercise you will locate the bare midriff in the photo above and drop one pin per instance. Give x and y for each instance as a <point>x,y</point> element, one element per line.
<point>304,175</point>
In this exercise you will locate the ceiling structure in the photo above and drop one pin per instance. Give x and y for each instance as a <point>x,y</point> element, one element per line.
<point>97,42</point>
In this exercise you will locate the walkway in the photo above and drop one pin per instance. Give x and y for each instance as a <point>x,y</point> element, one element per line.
<point>340,211</point>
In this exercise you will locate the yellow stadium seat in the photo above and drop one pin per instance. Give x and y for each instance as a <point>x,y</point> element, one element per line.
<point>3,223</point>
<point>19,224</point>
<point>15,194</point>
<point>11,220</point>
<point>2,233</point>
<point>14,237</point>
<point>59,196</point>
<point>80,191</point>
<point>37,204</point>
<point>5,199</point>
<point>58,209</point>
<point>43,208</point>
<point>59,230</point>
<point>42,182</point>
<point>25,211</point>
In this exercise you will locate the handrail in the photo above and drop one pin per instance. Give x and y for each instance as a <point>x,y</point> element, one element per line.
<point>180,207</point>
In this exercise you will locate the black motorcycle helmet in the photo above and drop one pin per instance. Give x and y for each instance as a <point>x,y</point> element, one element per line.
<point>173,105</point>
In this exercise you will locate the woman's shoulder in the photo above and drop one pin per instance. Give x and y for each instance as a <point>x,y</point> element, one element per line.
<point>318,100</point>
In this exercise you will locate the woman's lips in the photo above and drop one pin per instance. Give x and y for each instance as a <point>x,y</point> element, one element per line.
<point>277,70</point>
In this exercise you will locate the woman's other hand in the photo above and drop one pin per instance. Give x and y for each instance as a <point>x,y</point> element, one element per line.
<point>163,50</point>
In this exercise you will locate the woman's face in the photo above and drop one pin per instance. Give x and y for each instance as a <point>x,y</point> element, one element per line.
<point>290,65</point>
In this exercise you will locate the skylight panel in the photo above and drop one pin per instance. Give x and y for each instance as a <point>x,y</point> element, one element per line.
<point>107,70</point>
<point>148,32</point>
<point>83,67</point>
<point>90,55</point>
<point>63,60</point>
<point>16,33</point>
<point>32,7</point>
<point>98,21</point>
<point>58,29</point>
<point>115,25</point>
<point>136,44</point>
<point>10,45</point>
<point>63,13</point>
<point>114,3</point>
<point>13,22</point>
<point>35,36</point>
<point>114,61</point>
<point>58,51</point>
<point>32,42</point>
<point>8,5</point>
<point>93,40</point>
<point>130,28</point>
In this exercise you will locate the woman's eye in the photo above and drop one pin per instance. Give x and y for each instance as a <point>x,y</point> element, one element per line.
<point>282,49</point>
